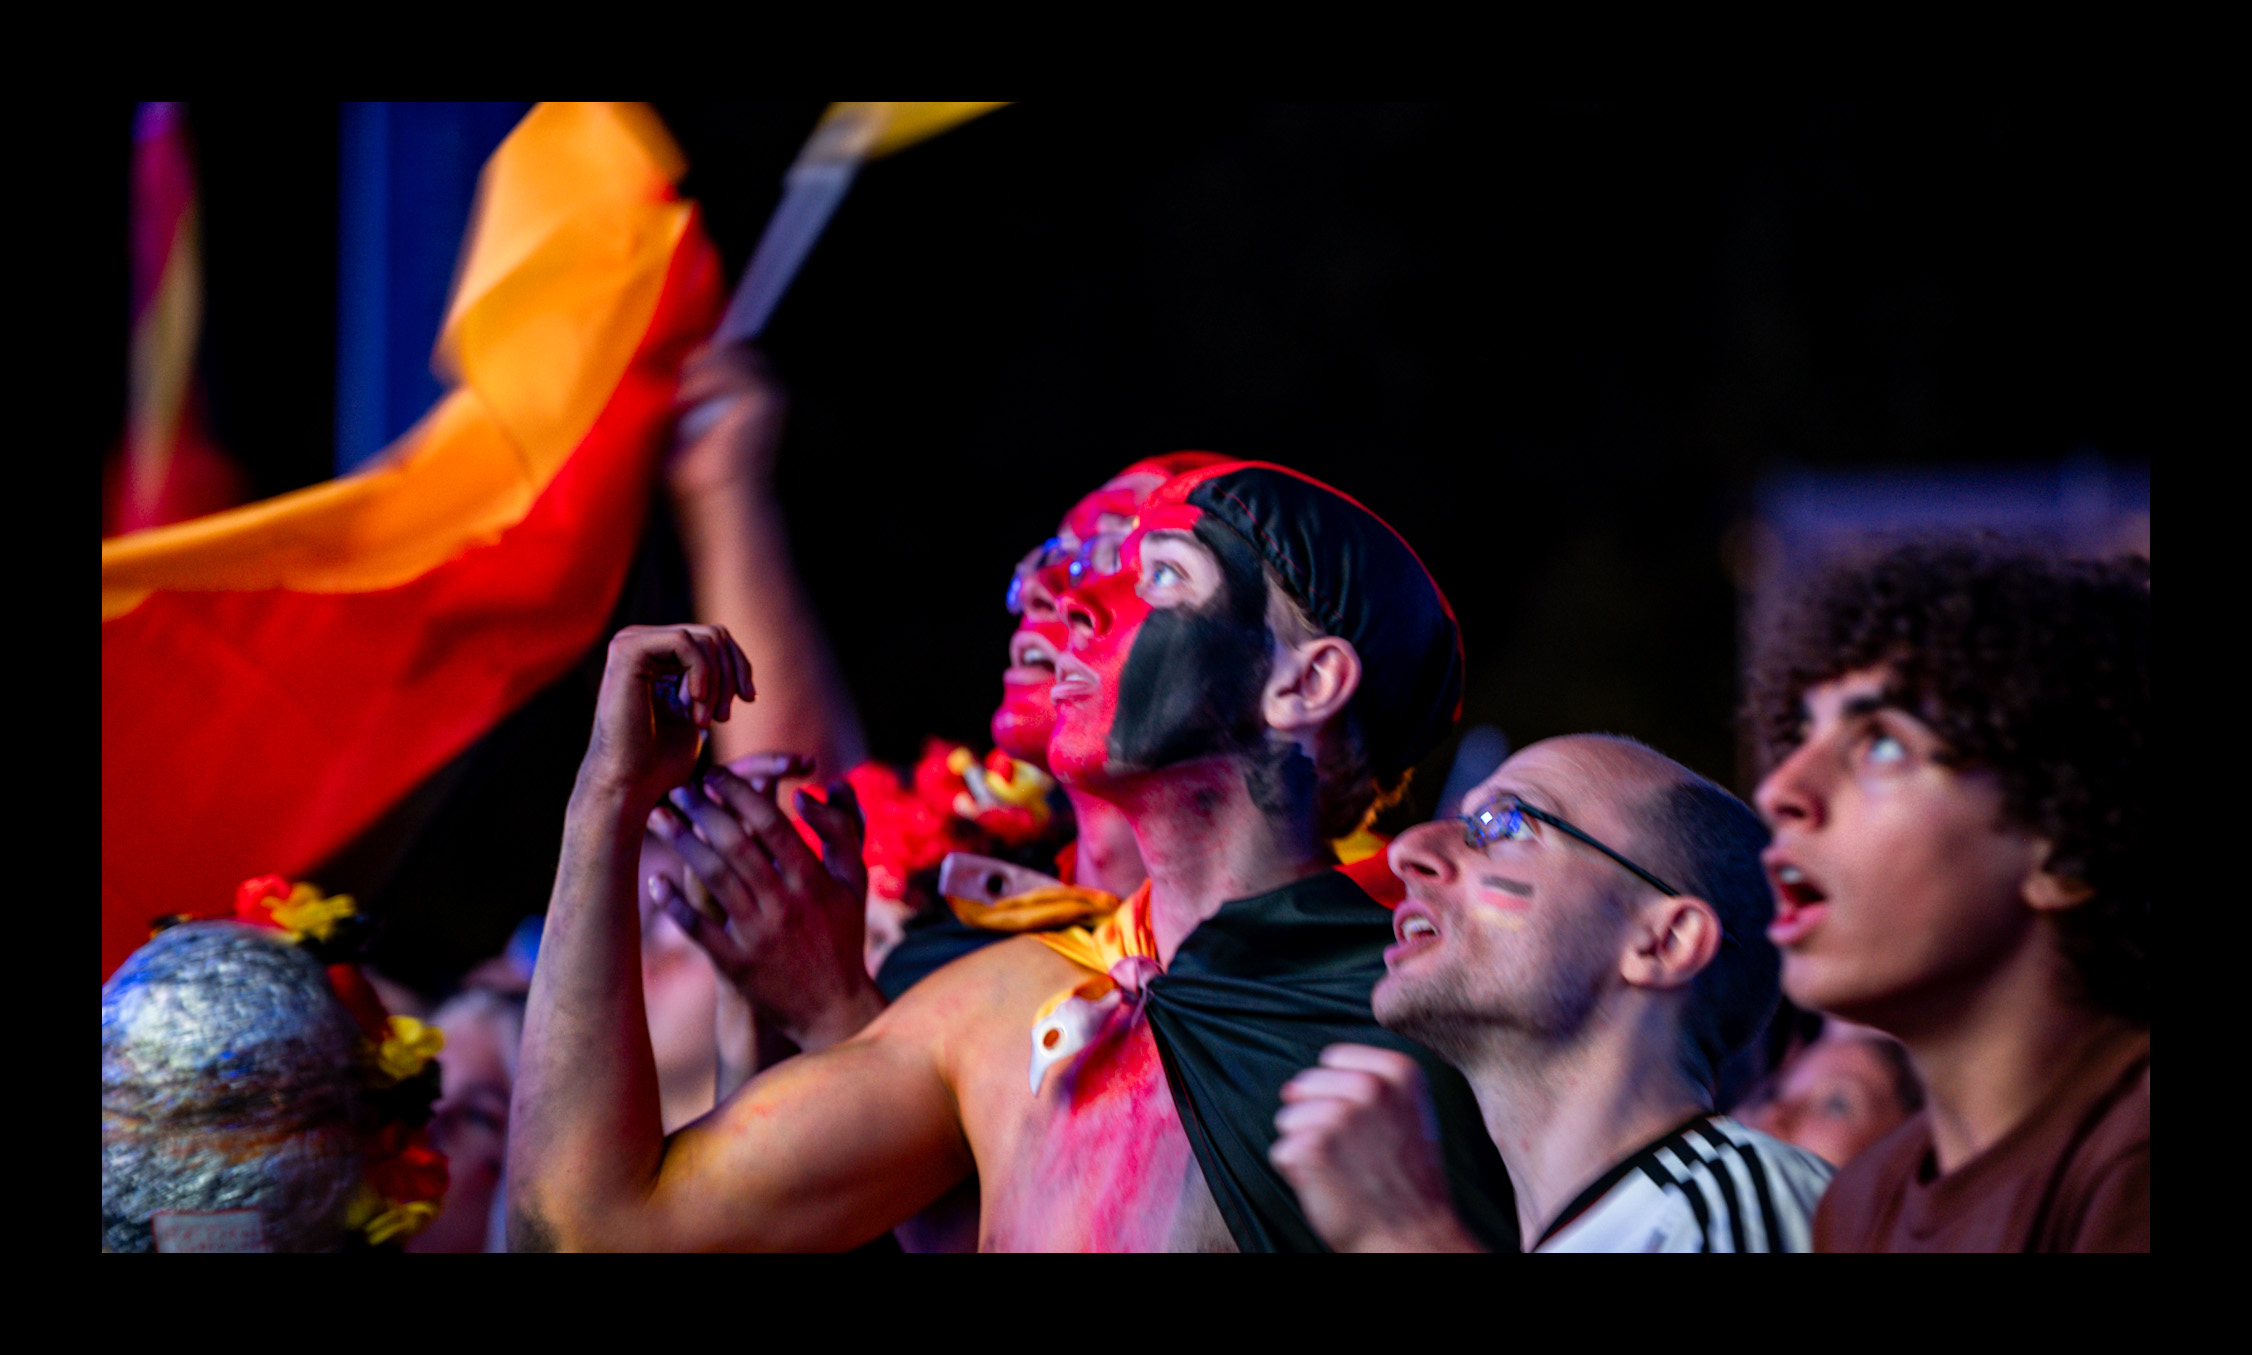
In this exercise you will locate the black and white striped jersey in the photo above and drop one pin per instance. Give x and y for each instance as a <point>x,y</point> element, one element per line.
<point>1709,1185</point>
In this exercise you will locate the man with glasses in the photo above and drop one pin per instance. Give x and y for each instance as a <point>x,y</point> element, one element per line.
<point>1587,944</point>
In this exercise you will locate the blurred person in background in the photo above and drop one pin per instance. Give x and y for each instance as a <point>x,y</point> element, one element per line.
<point>469,1123</point>
<point>483,1026</point>
<point>1959,802</point>
<point>1837,1094</point>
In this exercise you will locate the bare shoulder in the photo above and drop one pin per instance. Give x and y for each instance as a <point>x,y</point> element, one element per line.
<point>973,1020</point>
<point>989,992</point>
<point>830,1148</point>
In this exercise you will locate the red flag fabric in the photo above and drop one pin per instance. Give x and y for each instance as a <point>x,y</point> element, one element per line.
<point>274,677</point>
<point>168,469</point>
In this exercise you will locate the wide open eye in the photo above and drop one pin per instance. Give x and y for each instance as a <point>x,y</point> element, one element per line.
<point>1164,572</point>
<point>1885,750</point>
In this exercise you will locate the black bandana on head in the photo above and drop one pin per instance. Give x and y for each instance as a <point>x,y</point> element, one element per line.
<point>1358,581</point>
<point>1163,719</point>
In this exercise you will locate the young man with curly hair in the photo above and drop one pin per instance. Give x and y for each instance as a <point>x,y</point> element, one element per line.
<point>1960,861</point>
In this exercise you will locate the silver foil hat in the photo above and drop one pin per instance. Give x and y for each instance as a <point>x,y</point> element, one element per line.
<point>230,1089</point>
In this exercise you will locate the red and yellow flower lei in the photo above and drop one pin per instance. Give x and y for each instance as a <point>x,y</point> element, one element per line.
<point>406,1174</point>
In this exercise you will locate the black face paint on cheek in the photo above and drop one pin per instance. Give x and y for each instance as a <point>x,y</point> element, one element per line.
<point>1190,686</point>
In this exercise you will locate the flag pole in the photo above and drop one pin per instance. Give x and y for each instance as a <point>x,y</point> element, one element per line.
<point>847,135</point>
<point>816,183</point>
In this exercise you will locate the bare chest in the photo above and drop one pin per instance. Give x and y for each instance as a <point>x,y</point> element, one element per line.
<point>1099,1160</point>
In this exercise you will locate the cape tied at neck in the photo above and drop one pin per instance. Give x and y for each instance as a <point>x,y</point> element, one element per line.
<point>1096,930</point>
<point>1122,952</point>
<point>1253,996</point>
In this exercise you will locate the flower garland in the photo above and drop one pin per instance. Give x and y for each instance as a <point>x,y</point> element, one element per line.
<point>949,799</point>
<point>406,1174</point>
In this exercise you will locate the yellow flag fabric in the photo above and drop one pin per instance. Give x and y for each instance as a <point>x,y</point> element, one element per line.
<point>555,297</point>
<point>1036,910</point>
<point>1124,933</point>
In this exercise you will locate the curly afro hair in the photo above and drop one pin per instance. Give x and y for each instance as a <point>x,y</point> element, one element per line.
<point>2034,668</point>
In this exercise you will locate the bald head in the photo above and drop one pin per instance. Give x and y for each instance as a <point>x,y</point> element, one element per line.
<point>1607,778</point>
<point>1700,840</point>
<point>1705,843</point>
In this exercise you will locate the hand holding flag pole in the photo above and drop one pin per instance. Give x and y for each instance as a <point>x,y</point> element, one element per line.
<point>847,135</point>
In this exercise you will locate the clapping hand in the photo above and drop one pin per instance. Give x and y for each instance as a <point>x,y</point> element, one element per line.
<point>786,927</point>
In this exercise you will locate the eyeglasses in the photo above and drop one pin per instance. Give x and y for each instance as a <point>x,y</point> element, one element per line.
<point>1504,818</point>
<point>1095,558</point>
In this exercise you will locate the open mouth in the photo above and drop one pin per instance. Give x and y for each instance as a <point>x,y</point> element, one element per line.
<point>1074,680</point>
<point>1031,660</point>
<point>1415,930</point>
<point>1799,903</point>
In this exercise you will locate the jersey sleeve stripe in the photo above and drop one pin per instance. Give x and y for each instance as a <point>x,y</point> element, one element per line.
<point>1771,1221</point>
<point>1720,1200</point>
<point>1653,1169</point>
<point>1729,1158</point>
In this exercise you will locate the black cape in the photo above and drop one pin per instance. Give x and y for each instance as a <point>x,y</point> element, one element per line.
<point>1252,997</point>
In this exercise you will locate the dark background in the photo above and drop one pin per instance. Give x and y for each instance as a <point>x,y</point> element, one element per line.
<point>1557,346</point>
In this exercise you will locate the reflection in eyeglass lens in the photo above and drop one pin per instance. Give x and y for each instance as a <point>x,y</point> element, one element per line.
<point>1494,821</point>
<point>1095,558</point>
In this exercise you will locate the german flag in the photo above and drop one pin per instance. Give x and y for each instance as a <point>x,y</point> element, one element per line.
<point>275,676</point>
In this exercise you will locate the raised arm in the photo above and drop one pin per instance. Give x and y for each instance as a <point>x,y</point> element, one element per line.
<point>720,479</point>
<point>826,1151</point>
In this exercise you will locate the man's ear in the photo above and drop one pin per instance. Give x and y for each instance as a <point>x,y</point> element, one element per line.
<point>2046,891</point>
<point>1671,942</point>
<point>1311,684</point>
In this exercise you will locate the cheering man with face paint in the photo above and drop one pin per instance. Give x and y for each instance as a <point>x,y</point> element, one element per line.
<point>1587,945</point>
<point>1101,864</point>
<point>1268,658</point>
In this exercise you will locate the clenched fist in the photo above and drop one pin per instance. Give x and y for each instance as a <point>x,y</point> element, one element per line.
<point>1360,1145</point>
<point>662,688</point>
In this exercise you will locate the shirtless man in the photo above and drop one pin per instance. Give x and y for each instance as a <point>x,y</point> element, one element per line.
<point>1102,857</point>
<point>1237,723</point>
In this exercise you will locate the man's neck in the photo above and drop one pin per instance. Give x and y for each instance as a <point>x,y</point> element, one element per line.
<point>1204,842</point>
<point>1104,855</point>
<point>1562,1115</point>
<point>1992,1050</point>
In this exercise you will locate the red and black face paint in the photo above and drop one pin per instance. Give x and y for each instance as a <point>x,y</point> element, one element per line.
<point>1357,580</point>
<point>1168,683</point>
<point>1191,683</point>
<point>1026,717</point>
<point>1161,685</point>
